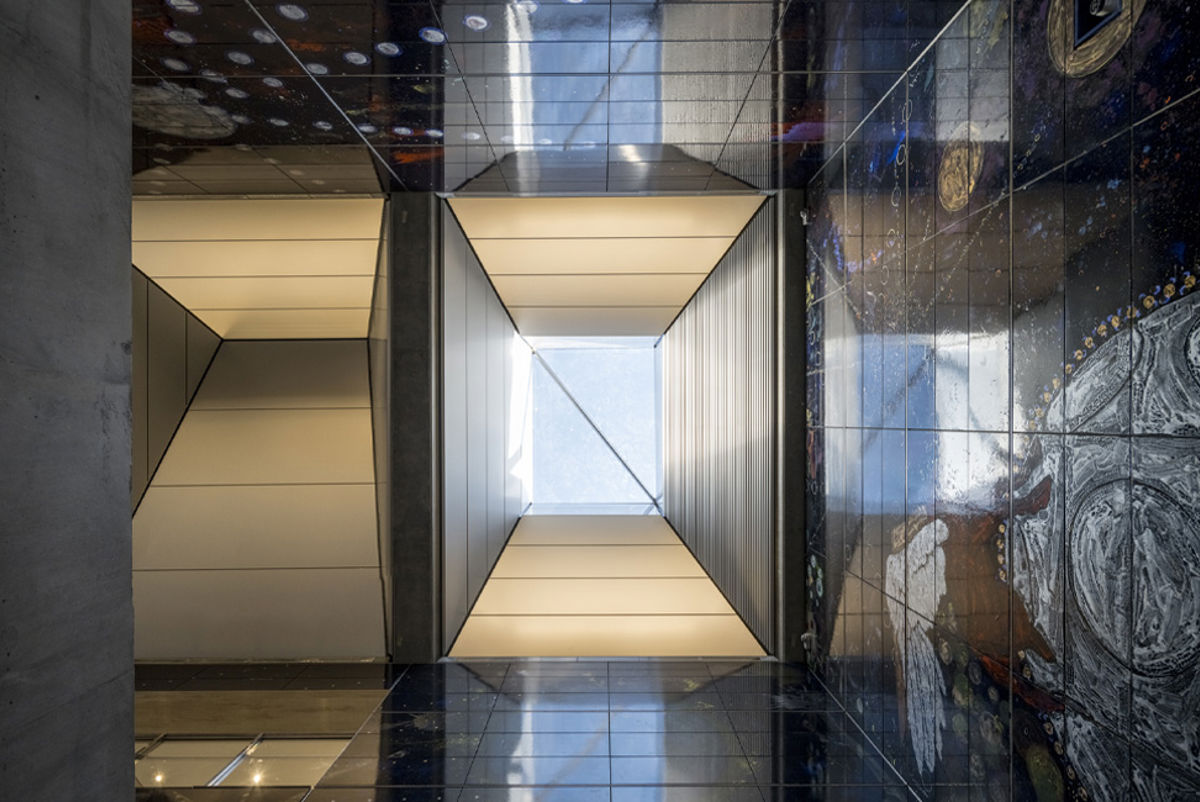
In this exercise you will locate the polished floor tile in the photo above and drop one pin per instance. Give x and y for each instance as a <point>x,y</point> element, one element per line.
<point>555,730</point>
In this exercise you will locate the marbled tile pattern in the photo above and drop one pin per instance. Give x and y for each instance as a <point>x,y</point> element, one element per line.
<point>1004,576</point>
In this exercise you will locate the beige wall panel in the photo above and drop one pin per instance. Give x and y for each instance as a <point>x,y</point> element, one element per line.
<point>637,290</point>
<point>676,216</point>
<point>287,324</point>
<point>300,218</point>
<point>276,292</point>
<point>598,530</point>
<point>257,615</point>
<point>593,321</point>
<point>256,526</point>
<point>597,561</point>
<point>593,596</point>
<point>287,374</point>
<point>615,255</point>
<point>270,446</point>
<point>606,636</point>
<point>257,258</point>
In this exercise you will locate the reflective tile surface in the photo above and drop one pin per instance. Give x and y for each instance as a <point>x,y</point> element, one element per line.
<point>552,730</point>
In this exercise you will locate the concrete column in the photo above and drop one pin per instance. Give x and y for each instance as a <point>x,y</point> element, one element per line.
<point>415,404</point>
<point>66,614</point>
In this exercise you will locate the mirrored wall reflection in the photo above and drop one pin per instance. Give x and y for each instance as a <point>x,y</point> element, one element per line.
<point>592,730</point>
<point>255,762</point>
<point>1004,412</point>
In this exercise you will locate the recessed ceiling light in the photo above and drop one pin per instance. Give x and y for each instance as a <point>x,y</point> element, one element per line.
<point>528,6</point>
<point>388,49</point>
<point>366,128</point>
<point>240,119</point>
<point>471,135</point>
<point>179,37</point>
<point>436,133</point>
<point>178,65</point>
<point>355,58</point>
<point>476,22</point>
<point>263,36</point>
<point>186,6</point>
<point>239,94</point>
<point>277,122</point>
<point>402,130</point>
<point>317,69</point>
<point>323,125</point>
<point>213,75</point>
<point>274,83</point>
<point>292,11</point>
<point>238,57</point>
<point>435,36</point>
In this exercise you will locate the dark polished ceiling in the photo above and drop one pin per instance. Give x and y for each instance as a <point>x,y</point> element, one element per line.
<point>235,97</point>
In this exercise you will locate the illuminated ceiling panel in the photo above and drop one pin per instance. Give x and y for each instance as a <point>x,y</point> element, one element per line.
<point>264,269</point>
<point>592,266</point>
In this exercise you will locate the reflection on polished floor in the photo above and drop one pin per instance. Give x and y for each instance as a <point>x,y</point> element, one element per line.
<point>560,731</point>
<point>601,586</point>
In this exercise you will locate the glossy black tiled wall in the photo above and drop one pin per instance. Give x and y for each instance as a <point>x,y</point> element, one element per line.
<point>1004,409</point>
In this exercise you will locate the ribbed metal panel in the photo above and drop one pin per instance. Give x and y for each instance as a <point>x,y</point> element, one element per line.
<point>481,499</point>
<point>718,383</point>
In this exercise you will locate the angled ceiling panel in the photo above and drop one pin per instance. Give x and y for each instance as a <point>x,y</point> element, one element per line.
<point>648,289</point>
<point>265,268</point>
<point>601,255</point>
<point>596,266</point>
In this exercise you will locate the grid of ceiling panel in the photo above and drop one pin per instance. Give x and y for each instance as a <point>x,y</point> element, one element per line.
<point>600,266</point>
<point>264,268</point>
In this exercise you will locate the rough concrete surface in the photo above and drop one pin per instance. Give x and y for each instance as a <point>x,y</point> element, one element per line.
<point>66,620</point>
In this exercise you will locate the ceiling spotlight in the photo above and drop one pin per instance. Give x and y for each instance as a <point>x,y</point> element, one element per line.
<point>238,94</point>
<point>401,130</point>
<point>292,11</point>
<point>272,82</point>
<point>213,75</point>
<point>179,37</point>
<point>355,58</point>
<point>186,6</point>
<point>317,69</point>
<point>435,133</point>
<point>388,49</point>
<point>528,6</point>
<point>277,122</point>
<point>476,22</point>
<point>366,128</point>
<point>175,64</point>
<point>435,36</point>
<point>263,36</point>
<point>238,57</point>
<point>323,125</point>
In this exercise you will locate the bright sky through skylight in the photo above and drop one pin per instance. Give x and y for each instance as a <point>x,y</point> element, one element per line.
<point>613,381</point>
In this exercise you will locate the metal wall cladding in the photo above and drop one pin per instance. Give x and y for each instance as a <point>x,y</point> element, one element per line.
<point>172,349</point>
<point>718,411</point>
<point>378,364</point>
<point>481,501</point>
